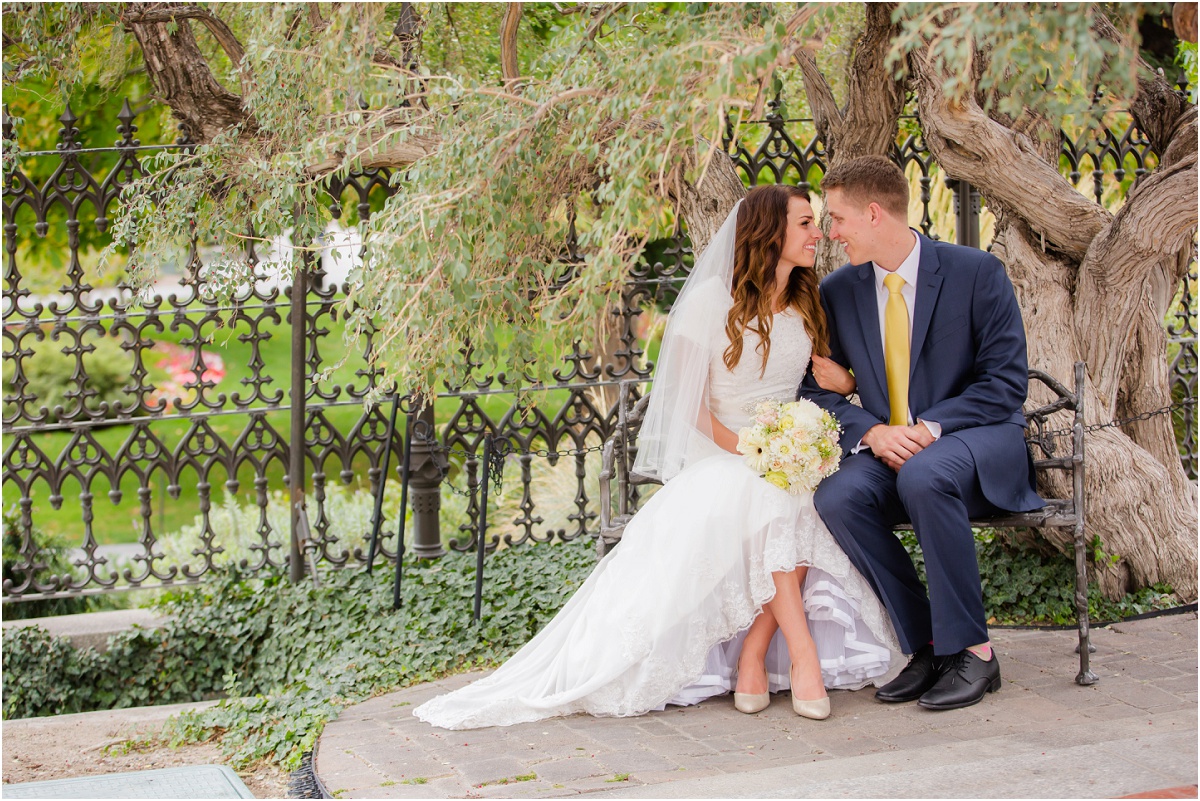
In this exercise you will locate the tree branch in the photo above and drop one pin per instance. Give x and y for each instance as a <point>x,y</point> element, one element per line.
<point>315,19</point>
<point>821,102</point>
<point>1161,113</point>
<point>1157,221</point>
<point>867,125</point>
<point>1006,166</point>
<point>1183,20</point>
<point>705,205</point>
<point>602,15</point>
<point>509,65</point>
<point>408,33</point>
<point>386,59</point>
<point>181,74</point>
<point>874,97</point>
<point>397,155</point>
<point>216,26</point>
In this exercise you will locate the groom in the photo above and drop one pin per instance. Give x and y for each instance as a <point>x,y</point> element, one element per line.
<point>934,337</point>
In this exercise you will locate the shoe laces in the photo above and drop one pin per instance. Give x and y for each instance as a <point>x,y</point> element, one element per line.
<point>955,663</point>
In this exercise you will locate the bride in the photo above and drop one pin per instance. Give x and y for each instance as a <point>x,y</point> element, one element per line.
<point>722,581</point>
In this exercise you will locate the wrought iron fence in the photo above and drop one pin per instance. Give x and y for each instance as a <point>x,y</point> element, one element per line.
<point>154,433</point>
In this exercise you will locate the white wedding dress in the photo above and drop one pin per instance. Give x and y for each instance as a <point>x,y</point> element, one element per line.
<point>661,619</point>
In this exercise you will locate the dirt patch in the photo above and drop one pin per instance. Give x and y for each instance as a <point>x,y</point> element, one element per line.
<point>121,741</point>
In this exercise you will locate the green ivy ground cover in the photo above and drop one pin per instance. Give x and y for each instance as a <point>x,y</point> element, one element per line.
<point>290,658</point>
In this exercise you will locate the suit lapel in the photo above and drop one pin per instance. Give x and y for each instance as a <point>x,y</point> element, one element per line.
<point>929,284</point>
<point>868,313</point>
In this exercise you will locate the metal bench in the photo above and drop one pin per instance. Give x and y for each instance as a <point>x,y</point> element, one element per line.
<point>1044,441</point>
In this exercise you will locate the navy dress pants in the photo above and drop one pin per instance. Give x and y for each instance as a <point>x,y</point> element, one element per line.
<point>938,491</point>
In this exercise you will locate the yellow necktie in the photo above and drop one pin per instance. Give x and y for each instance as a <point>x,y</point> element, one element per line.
<point>895,349</point>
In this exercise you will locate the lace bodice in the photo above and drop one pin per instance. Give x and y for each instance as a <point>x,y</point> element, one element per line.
<point>732,391</point>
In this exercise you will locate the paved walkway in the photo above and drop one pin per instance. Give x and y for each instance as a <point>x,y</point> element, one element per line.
<point>1041,736</point>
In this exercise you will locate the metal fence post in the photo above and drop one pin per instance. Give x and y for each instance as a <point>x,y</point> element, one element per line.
<point>405,475</point>
<point>481,532</point>
<point>377,515</point>
<point>425,481</point>
<point>966,212</point>
<point>299,322</point>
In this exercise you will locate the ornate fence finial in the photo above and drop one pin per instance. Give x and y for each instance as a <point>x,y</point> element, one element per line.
<point>68,133</point>
<point>572,245</point>
<point>126,129</point>
<point>773,107</point>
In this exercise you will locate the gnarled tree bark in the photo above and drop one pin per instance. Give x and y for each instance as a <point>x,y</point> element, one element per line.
<point>867,125</point>
<point>1092,285</point>
<point>180,72</point>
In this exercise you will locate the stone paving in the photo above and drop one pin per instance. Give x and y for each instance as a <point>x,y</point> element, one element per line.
<point>1040,736</point>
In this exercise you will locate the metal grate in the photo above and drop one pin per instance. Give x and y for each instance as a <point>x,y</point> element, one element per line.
<point>204,781</point>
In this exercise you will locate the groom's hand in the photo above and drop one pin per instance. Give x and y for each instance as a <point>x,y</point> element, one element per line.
<point>895,445</point>
<point>921,434</point>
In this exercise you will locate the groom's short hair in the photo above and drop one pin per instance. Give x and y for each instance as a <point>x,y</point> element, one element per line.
<point>871,179</point>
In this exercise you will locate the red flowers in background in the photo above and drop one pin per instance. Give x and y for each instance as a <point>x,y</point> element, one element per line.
<point>180,366</point>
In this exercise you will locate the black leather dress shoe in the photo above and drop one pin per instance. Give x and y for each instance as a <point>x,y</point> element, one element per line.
<point>964,681</point>
<point>922,673</point>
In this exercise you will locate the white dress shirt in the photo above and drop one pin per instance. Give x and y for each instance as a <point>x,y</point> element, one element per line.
<point>908,270</point>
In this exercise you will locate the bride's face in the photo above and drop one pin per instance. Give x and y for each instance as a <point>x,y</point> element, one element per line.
<point>800,240</point>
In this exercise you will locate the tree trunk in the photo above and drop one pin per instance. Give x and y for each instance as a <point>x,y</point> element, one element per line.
<point>1090,286</point>
<point>705,205</point>
<point>183,80</point>
<point>869,123</point>
<point>1145,385</point>
<point>1140,503</point>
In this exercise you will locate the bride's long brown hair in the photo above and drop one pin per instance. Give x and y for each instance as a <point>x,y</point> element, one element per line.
<point>761,227</point>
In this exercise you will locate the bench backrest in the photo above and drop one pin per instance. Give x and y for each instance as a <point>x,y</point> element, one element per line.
<point>1052,448</point>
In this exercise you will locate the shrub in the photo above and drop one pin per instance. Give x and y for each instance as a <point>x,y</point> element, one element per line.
<point>291,657</point>
<point>1025,580</point>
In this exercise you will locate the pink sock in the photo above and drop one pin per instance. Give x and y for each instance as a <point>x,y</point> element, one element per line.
<point>983,651</point>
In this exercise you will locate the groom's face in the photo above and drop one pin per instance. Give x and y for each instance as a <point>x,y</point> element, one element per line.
<point>852,225</point>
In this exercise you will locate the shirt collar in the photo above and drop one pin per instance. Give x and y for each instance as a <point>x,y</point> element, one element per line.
<point>907,270</point>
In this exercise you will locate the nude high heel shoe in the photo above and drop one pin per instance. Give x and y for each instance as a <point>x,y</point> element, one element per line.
<point>749,703</point>
<point>815,709</point>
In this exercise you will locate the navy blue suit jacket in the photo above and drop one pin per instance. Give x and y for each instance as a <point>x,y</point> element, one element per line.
<point>969,370</point>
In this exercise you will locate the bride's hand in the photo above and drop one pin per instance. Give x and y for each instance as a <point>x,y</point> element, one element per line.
<point>831,376</point>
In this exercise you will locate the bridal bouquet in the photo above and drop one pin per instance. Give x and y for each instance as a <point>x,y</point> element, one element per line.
<point>792,445</point>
